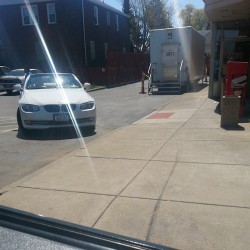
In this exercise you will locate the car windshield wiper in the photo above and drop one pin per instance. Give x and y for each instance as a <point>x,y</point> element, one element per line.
<point>67,233</point>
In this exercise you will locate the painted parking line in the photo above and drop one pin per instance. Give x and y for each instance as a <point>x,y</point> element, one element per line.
<point>8,124</point>
<point>8,130</point>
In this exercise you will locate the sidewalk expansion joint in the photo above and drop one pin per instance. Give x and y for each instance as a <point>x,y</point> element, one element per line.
<point>104,211</point>
<point>206,204</point>
<point>65,191</point>
<point>215,140</point>
<point>119,194</point>
<point>111,158</point>
<point>204,163</point>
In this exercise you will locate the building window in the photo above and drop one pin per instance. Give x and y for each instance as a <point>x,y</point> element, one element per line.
<point>117,22</point>
<point>124,49</point>
<point>92,50</point>
<point>27,17</point>
<point>108,18</point>
<point>106,50</point>
<point>51,13</point>
<point>96,15</point>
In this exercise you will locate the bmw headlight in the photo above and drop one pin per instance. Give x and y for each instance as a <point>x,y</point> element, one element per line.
<point>30,108</point>
<point>87,105</point>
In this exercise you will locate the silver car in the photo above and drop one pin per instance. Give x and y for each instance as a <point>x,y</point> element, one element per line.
<point>16,76</point>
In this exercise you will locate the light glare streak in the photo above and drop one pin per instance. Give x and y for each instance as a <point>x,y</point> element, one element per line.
<point>178,20</point>
<point>54,71</point>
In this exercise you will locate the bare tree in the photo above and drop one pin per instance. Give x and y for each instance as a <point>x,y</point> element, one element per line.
<point>146,15</point>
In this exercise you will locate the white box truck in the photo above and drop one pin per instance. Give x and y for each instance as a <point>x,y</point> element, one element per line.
<point>177,59</point>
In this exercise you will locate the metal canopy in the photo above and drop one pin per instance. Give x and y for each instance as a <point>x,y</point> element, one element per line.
<point>227,10</point>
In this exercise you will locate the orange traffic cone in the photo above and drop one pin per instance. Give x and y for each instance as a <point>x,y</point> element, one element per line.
<point>142,85</point>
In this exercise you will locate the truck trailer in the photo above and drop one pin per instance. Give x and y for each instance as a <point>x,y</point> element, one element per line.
<point>177,59</point>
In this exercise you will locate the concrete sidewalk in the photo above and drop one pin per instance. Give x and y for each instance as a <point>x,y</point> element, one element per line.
<point>174,178</point>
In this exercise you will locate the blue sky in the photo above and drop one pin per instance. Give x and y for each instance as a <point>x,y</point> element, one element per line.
<point>178,5</point>
<point>199,4</point>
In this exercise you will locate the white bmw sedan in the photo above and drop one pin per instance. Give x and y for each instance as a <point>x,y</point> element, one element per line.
<point>54,100</point>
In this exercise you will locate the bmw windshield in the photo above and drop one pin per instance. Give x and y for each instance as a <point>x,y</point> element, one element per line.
<point>41,81</point>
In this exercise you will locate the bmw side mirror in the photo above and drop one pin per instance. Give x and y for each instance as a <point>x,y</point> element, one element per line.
<point>87,86</point>
<point>18,87</point>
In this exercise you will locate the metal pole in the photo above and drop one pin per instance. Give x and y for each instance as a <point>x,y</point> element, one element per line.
<point>212,57</point>
<point>221,83</point>
<point>84,35</point>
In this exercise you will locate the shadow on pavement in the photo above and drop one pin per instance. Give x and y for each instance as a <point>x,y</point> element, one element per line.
<point>53,134</point>
<point>194,89</point>
<point>198,87</point>
<point>244,119</point>
<point>234,128</point>
<point>14,93</point>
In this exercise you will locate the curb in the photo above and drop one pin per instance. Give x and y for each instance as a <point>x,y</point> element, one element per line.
<point>95,89</point>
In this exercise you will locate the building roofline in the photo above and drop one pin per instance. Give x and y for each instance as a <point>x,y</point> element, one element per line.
<point>96,2</point>
<point>14,2</point>
<point>106,6</point>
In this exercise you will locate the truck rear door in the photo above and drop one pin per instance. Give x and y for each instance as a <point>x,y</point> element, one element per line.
<point>170,59</point>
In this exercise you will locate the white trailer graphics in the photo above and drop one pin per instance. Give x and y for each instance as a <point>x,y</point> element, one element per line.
<point>177,59</point>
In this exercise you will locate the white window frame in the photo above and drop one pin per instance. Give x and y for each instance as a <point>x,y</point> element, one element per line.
<point>96,16</point>
<point>92,50</point>
<point>108,18</point>
<point>49,14</point>
<point>25,9</point>
<point>117,22</point>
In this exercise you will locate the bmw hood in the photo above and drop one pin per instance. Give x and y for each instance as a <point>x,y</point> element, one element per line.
<point>55,96</point>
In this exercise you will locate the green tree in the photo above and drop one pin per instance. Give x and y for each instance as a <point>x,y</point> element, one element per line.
<point>194,17</point>
<point>186,15</point>
<point>200,20</point>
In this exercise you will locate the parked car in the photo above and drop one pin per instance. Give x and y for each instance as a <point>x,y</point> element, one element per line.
<point>54,100</point>
<point>16,76</point>
<point>4,70</point>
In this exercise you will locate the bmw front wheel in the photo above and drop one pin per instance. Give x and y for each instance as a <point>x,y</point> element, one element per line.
<point>19,123</point>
